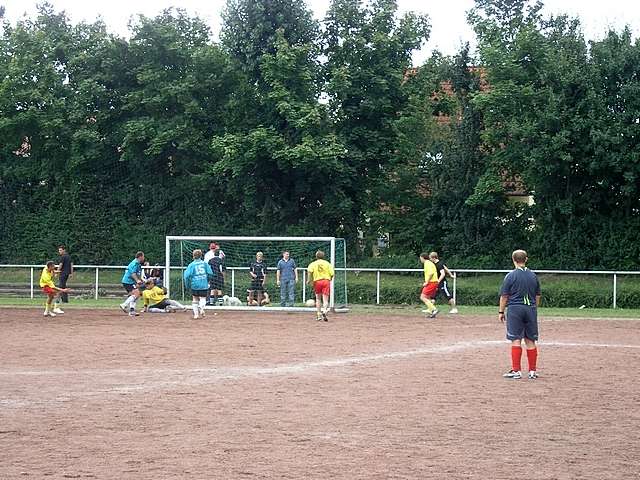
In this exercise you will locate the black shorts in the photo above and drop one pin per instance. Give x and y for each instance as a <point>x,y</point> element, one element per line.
<point>199,293</point>
<point>522,322</point>
<point>217,283</point>
<point>130,287</point>
<point>443,291</point>
<point>256,285</point>
<point>163,304</point>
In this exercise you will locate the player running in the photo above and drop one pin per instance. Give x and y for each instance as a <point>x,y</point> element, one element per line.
<point>132,283</point>
<point>520,295</point>
<point>320,276</point>
<point>430,285</point>
<point>196,277</point>
<point>443,287</point>
<point>156,300</point>
<point>48,286</point>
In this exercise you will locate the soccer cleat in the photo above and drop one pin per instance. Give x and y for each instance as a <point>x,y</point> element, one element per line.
<point>532,375</point>
<point>453,310</point>
<point>133,313</point>
<point>324,317</point>
<point>196,317</point>
<point>513,374</point>
<point>49,314</point>
<point>434,313</point>
<point>58,311</point>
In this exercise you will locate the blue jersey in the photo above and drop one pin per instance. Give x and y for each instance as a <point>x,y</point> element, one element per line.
<point>133,267</point>
<point>196,276</point>
<point>522,287</point>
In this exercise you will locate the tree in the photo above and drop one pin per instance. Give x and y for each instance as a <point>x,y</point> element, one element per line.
<point>368,51</point>
<point>289,174</point>
<point>250,26</point>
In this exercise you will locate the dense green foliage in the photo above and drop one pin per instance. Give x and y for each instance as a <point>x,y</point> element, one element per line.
<point>294,126</point>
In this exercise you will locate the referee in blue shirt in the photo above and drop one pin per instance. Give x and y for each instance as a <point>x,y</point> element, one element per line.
<point>520,296</point>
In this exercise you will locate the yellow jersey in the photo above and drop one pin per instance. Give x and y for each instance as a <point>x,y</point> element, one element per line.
<point>153,296</point>
<point>320,270</point>
<point>430,272</point>
<point>46,279</point>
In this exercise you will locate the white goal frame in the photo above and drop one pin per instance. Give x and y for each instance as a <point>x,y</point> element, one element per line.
<point>212,238</point>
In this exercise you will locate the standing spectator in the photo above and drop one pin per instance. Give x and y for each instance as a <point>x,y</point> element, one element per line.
<point>443,287</point>
<point>65,269</point>
<point>520,295</point>
<point>286,279</point>
<point>258,273</point>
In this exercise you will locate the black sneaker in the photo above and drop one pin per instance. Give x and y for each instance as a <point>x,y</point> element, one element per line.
<point>324,317</point>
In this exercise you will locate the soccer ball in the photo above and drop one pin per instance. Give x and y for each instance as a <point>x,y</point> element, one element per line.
<point>310,303</point>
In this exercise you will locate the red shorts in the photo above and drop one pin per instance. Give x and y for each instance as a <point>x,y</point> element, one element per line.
<point>322,287</point>
<point>430,290</point>
<point>48,290</point>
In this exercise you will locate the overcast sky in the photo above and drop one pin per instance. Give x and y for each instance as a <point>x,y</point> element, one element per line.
<point>449,28</point>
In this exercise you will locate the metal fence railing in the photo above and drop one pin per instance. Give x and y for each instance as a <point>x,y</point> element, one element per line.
<point>28,286</point>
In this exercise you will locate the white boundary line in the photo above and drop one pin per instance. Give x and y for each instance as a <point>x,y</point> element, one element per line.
<point>147,380</point>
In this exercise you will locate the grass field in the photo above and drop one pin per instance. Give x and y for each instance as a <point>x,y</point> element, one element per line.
<point>110,303</point>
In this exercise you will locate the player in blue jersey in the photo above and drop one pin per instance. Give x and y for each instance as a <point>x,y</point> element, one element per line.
<point>520,295</point>
<point>132,283</point>
<point>196,278</point>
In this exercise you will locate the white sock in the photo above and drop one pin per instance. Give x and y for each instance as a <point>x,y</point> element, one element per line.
<point>157,310</point>
<point>132,304</point>
<point>194,306</point>
<point>176,304</point>
<point>203,302</point>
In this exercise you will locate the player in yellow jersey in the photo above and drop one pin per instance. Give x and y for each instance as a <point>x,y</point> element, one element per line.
<point>156,300</point>
<point>430,285</point>
<point>48,286</point>
<point>320,276</point>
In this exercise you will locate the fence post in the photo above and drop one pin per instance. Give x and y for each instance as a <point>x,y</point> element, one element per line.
<point>304,286</point>
<point>615,290</point>
<point>378,287</point>
<point>97,281</point>
<point>32,282</point>
<point>233,283</point>
<point>455,281</point>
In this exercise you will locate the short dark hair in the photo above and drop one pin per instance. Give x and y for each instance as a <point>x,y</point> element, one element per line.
<point>139,254</point>
<point>519,256</point>
<point>424,255</point>
<point>62,247</point>
<point>50,264</point>
<point>319,254</point>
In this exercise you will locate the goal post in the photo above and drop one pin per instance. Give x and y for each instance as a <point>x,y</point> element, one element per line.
<point>239,251</point>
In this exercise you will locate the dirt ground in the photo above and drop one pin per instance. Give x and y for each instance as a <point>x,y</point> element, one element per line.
<point>95,394</point>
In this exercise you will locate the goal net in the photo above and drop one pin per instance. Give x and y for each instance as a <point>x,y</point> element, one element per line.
<point>238,252</point>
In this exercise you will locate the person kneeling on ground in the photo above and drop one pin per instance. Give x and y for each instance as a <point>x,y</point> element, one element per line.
<point>156,300</point>
<point>252,298</point>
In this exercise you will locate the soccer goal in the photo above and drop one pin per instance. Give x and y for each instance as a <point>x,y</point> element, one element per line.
<point>239,252</point>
